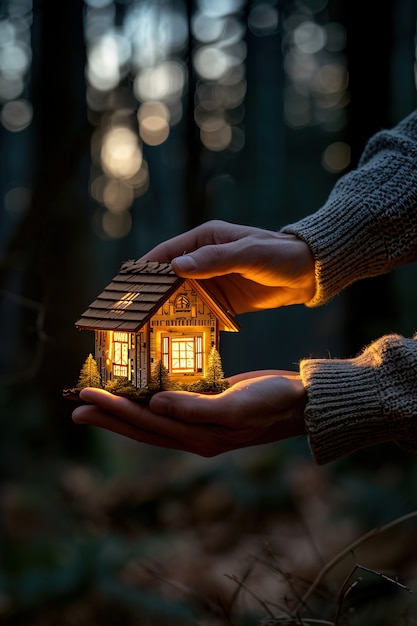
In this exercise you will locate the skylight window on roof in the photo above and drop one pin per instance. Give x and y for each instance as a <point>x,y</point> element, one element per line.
<point>125,301</point>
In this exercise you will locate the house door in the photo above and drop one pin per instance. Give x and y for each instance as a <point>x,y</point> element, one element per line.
<point>121,354</point>
<point>183,355</point>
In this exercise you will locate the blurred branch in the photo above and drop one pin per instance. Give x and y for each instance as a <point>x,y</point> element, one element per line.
<point>350,548</point>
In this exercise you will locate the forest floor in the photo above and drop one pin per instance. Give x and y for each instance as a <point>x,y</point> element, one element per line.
<point>146,537</point>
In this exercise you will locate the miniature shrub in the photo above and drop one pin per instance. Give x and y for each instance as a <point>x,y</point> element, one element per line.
<point>121,384</point>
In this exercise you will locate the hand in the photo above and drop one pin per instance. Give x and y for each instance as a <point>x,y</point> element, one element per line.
<point>247,268</point>
<point>258,408</point>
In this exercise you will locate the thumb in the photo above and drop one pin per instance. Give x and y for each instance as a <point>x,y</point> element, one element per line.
<point>207,262</point>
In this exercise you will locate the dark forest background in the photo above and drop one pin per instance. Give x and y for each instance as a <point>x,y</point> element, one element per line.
<point>97,529</point>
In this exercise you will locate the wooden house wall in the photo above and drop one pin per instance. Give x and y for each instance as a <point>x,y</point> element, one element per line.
<point>175,318</point>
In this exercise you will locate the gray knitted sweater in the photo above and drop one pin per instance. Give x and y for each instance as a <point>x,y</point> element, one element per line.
<point>367,227</point>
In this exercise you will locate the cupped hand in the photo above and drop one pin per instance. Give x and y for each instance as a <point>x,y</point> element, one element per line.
<point>247,268</point>
<point>258,408</point>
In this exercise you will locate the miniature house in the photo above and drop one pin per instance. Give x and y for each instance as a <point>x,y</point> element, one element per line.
<point>148,314</point>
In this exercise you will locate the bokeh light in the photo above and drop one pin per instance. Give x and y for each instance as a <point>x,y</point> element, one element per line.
<point>336,157</point>
<point>121,154</point>
<point>16,115</point>
<point>216,134</point>
<point>117,196</point>
<point>153,120</point>
<point>309,37</point>
<point>108,55</point>
<point>316,92</point>
<point>15,64</point>
<point>164,82</point>
<point>263,19</point>
<point>116,225</point>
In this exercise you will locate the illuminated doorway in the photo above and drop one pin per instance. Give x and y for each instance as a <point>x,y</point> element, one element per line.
<point>120,354</point>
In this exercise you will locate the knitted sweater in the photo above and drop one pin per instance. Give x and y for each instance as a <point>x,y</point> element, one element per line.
<point>367,227</point>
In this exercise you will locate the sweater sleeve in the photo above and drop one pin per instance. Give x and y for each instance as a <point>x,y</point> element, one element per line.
<point>354,403</point>
<point>369,222</point>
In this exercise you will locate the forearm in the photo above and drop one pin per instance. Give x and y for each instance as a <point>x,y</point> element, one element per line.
<point>369,223</point>
<point>355,403</point>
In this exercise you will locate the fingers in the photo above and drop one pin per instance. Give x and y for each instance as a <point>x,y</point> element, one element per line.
<point>95,417</point>
<point>259,374</point>
<point>214,231</point>
<point>207,262</point>
<point>127,418</point>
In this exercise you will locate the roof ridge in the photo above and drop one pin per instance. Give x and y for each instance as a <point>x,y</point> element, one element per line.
<point>146,267</point>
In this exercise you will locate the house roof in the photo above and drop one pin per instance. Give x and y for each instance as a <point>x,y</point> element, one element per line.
<point>136,294</point>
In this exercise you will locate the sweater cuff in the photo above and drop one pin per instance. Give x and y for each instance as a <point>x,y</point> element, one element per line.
<point>330,241</point>
<point>343,412</point>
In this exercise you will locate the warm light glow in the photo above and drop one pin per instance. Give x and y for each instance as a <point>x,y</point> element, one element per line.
<point>140,181</point>
<point>157,109</point>
<point>153,123</point>
<point>154,130</point>
<point>125,302</point>
<point>216,134</point>
<point>336,157</point>
<point>121,155</point>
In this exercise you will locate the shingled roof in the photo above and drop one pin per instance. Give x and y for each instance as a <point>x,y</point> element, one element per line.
<point>131,298</point>
<point>135,295</point>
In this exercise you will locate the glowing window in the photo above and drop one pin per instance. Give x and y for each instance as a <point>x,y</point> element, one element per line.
<point>183,354</point>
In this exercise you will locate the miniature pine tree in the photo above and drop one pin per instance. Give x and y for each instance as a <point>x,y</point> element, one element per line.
<point>159,377</point>
<point>215,375</point>
<point>89,375</point>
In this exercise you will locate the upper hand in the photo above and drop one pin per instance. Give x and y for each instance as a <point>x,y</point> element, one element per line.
<point>258,408</point>
<point>247,268</point>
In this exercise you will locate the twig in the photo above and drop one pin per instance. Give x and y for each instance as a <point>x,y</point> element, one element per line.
<point>333,562</point>
<point>263,603</point>
<point>345,589</point>
<point>394,581</point>
<point>240,586</point>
